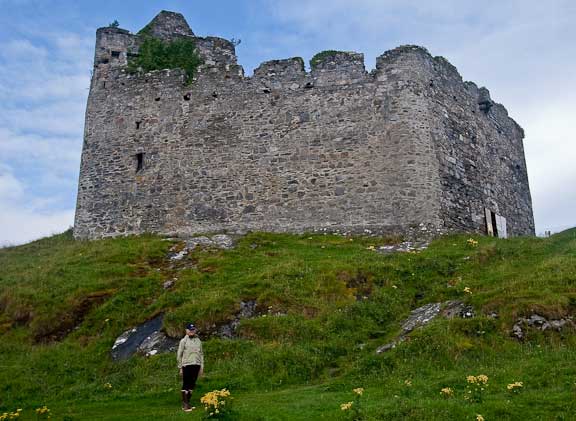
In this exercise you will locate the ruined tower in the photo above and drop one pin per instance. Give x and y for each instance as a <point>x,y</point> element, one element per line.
<point>406,148</point>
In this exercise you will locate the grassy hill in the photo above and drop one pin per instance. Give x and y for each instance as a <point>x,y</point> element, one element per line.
<point>325,304</point>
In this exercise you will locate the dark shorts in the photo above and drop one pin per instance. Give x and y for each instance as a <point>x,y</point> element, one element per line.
<point>189,376</point>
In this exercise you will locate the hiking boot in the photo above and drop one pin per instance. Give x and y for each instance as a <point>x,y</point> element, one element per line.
<point>185,401</point>
<point>187,407</point>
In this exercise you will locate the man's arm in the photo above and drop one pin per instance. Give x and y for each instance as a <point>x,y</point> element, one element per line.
<point>201,360</point>
<point>179,354</point>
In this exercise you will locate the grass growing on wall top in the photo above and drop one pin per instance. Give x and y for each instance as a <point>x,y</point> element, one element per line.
<point>321,56</point>
<point>155,54</point>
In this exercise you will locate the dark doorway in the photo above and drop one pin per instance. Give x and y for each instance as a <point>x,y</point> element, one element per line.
<point>495,224</point>
<point>139,161</point>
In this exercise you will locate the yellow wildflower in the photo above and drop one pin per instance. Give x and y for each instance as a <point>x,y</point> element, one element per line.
<point>359,390</point>
<point>483,378</point>
<point>346,406</point>
<point>447,392</point>
<point>479,417</point>
<point>10,415</point>
<point>515,385</point>
<point>215,400</point>
<point>42,410</point>
<point>407,382</point>
<point>471,379</point>
<point>467,290</point>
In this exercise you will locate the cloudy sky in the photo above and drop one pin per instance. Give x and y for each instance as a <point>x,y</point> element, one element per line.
<point>522,50</point>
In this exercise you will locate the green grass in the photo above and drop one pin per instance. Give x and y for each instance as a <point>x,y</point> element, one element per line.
<point>323,55</point>
<point>326,303</point>
<point>155,54</point>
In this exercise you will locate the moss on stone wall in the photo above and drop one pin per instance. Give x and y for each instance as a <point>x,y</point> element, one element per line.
<point>155,54</point>
<point>301,61</point>
<point>147,30</point>
<point>318,58</point>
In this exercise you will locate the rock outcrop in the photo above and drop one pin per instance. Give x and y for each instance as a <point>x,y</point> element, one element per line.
<point>423,315</point>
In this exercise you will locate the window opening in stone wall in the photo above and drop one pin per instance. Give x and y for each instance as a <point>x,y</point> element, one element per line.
<point>139,161</point>
<point>138,125</point>
<point>115,54</point>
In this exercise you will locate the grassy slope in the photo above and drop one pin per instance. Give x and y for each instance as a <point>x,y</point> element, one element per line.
<point>62,304</point>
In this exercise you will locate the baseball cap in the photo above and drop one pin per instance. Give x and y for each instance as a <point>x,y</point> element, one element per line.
<point>190,326</point>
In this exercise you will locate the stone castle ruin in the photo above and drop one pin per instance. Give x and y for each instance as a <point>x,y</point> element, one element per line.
<point>406,148</point>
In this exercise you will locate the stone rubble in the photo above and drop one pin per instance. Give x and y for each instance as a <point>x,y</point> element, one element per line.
<point>168,284</point>
<point>157,342</point>
<point>228,330</point>
<point>420,317</point>
<point>423,315</point>
<point>146,339</point>
<point>404,247</point>
<point>220,241</point>
<point>540,323</point>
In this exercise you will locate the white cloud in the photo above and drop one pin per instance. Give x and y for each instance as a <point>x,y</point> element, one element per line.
<point>44,86</point>
<point>20,226</point>
<point>18,49</point>
<point>74,44</point>
<point>550,153</point>
<point>59,86</point>
<point>64,117</point>
<point>23,219</point>
<point>59,68</point>
<point>10,187</point>
<point>41,151</point>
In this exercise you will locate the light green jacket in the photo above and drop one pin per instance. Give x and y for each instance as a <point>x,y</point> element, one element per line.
<point>190,352</point>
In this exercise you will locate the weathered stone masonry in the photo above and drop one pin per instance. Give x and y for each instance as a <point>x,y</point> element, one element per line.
<point>406,146</point>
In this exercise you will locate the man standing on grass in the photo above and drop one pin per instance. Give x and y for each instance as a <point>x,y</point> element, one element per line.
<point>191,364</point>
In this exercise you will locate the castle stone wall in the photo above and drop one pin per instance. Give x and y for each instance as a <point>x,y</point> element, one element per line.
<point>479,148</point>
<point>336,148</point>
